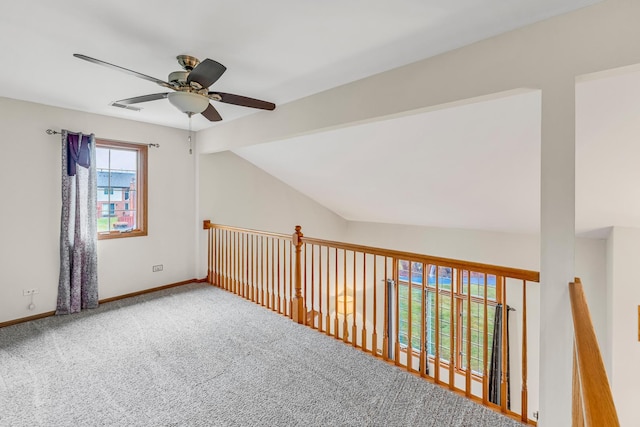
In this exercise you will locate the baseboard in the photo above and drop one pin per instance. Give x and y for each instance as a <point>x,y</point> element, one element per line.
<point>27,319</point>
<point>103,301</point>
<point>148,291</point>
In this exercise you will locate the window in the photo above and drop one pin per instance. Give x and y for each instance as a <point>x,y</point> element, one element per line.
<point>411,299</point>
<point>121,170</point>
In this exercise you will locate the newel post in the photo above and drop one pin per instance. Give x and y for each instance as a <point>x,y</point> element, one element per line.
<point>298,300</point>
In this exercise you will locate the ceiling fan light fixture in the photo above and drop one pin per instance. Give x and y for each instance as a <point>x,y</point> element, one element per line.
<point>188,103</point>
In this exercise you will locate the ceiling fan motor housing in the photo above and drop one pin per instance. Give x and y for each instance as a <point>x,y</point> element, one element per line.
<point>179,77</point>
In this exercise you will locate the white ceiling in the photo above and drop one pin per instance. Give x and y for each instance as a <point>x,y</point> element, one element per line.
<point>476,166</point>
<point>278,50</point>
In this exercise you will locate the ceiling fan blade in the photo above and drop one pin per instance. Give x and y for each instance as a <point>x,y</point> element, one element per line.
<point>206,73</point>
<point>212,114</point>
<point>244,101</point>
<point>144,98</point>
<point>125,70</point>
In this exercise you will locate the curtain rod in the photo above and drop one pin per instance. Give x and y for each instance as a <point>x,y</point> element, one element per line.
<point>55,132</point>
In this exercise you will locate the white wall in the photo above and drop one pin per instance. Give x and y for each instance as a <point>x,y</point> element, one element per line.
<point>235,192</point>
<point>30,216</point>
<point>624,290</point>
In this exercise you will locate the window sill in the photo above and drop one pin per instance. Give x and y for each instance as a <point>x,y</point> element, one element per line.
<point>121,234</point>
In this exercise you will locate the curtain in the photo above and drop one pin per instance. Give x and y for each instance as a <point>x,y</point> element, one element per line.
<point>495,370</point>
<point>78,282</point>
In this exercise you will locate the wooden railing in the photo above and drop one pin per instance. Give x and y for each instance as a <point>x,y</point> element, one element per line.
<point>432,316</point>
<point>592,399</point>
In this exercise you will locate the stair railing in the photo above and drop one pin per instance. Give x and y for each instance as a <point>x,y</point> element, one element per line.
<point>592,398</point>
<point>432,316</point>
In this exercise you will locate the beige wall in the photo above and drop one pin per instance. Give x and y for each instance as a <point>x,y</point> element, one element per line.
<point>30,215</point>
<point>624,300</point>
<point>234,192</point>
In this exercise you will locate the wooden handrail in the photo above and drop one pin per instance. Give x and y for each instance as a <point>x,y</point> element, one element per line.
<point>207,224</point>
<point>514,273</point>
<point>590,380</point>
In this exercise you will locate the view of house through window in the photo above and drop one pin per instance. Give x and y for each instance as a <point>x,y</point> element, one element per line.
<point>121,190</point>
<point>469,281</point>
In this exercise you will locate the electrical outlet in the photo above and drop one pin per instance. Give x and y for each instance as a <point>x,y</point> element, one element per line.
<point>27,292</point>
<point>157,268</point>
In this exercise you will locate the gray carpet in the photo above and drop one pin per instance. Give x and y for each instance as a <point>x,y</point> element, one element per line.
<point>199,356</point>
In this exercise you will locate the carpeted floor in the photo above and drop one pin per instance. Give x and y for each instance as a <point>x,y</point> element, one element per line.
<point>199,356</point>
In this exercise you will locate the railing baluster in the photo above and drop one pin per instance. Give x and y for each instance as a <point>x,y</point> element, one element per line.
<point>374,333</point>
<point>227,249</point>
<point>525,394</point>
<point>245,253</point>
<point>396,304</point>
<point>272,298</point>
<point>218,264</point>
<point>313,279</point>
<point>231,264</point>
<point>336,327</point>
<point>424,359</point>
<point>236,264</point>
<point>243,260</point>
<point>328,321</point>
<point>364,302</point>
<point>452,329</point>
<point>385,326</point>
<point>409,318</point>
<point>279,308</point>
<point>209,256</point>
<point>345,328</point>
<point>291,280</point>
<point>468,373</point>
<point>354,328</point>
<point>263,261</point>
<point>320,318</point>
<point>436,364</point>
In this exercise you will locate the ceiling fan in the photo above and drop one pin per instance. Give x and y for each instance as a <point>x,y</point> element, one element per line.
<point>191,87</point>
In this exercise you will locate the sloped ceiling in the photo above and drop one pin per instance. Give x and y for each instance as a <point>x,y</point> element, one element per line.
<point>476,166</point>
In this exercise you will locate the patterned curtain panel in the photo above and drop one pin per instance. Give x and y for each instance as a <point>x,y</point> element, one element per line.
<point>78,284</point>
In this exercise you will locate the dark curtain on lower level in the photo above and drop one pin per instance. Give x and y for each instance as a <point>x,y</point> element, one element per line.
<point>495,369</point>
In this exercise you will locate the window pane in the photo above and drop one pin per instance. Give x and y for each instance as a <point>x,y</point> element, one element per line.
<point>444,278</point>
<point>117,187</point>
<point>125,220</point>
<point>102,158</point>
